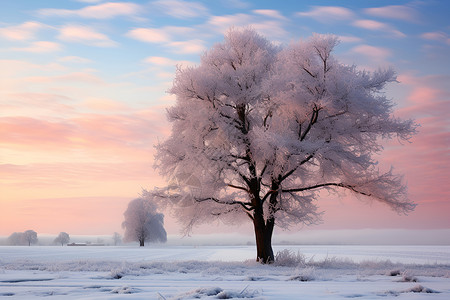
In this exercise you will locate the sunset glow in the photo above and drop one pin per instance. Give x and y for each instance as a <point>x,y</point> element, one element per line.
<point>83,101</point>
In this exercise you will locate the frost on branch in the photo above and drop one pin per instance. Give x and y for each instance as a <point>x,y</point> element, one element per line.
<point>258,130</point>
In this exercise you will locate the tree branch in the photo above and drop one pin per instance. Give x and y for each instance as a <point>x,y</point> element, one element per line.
<point>313,120</point>
<point>343,185</point>
<point>270,192</point>
<point>238,187</point>
<point>294,169</point>
<point>246,205</point>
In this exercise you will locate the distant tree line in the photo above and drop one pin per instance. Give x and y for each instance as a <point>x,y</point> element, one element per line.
<point>30,237</point>
<point>23,238</point>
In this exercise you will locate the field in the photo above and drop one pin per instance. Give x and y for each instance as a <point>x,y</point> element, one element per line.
<point>225,272</point>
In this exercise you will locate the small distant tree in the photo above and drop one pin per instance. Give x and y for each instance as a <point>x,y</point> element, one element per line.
<point>143,223</point>
<point>30,237</point>
<point>117,238</point>
<point>62,238</point>
<point>16,239</point>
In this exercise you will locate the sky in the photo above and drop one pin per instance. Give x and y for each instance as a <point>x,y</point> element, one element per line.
<point>83,97</point>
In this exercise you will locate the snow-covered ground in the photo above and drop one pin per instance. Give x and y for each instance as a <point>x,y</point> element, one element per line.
<point>225,272</point>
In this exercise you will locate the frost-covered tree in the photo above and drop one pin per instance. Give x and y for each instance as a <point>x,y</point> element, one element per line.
<point>143,223</point>
<point>62,238</point>
<point>259,130</point>
<point>30,237</point>
<point>16,239</point>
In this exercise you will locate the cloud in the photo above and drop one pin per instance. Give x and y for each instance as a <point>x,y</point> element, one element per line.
<point>182,9</point>
<point>377,26</point>
<point>327,14</point>
<point>107,10</point>
<point>13,68</point>
<point>223,23</point>
<point>166,62</point>
<point>74,59</point>
<point>187,47</point>
<point>97,135</point>
<point>149,35</point>
<point>399,12</point>
<point>22,32</point>
<point>375,53</point>
<point>40,47</point>
<point>427,96</point>
<point>270,13</point>
<point>438,36</point>
<point>103,105</point>
<point>85,35</point>
<point>39,105</point>
<point>74,77</point>
<point>164,36</point>
<point>160,61</point>
<point>272,29</point>
<point>23,130</point>
<point>428,102</point>
<point>349,39</point>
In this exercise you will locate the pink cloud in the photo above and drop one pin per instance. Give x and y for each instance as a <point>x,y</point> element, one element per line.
<point>149,35</point>
<point>188,47</point>
<point>130,134</point>
<point>76,77</point>
<point>375,53</point>
<point>399,12</point>
<point>272,28</point>
<point>74,59</point>
<point>426,160</point>
<point>349,39</point>
<point>160,61</point>
<point>22,32</point>
<point>104,105</point>
<point>378,26</point>
<point>107,10</point>
<point>36,104</point>
<point>40,47</point>
<point>425,163</point>
<point>85,35</point>
<point>28,131</point>
<point>223,23</point>
<point>328,13</point>
<point>437,36</point>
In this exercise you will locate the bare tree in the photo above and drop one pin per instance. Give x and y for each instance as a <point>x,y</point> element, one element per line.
<point>30,237</point>
<point>259,130</point>
<point>117,238</point>
<point>143,223</point>
<point>62,238</point>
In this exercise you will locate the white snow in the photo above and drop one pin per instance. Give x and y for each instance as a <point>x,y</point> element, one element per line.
<point>224,272</point>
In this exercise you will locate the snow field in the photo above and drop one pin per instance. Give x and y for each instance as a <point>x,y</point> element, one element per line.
<point>178,272</point>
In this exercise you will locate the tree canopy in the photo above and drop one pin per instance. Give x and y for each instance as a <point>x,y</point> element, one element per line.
<point>62,238</point>
<point>143,223</point>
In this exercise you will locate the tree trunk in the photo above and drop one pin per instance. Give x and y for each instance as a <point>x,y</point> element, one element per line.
<point>263,235</point>
<point>141,243</point>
